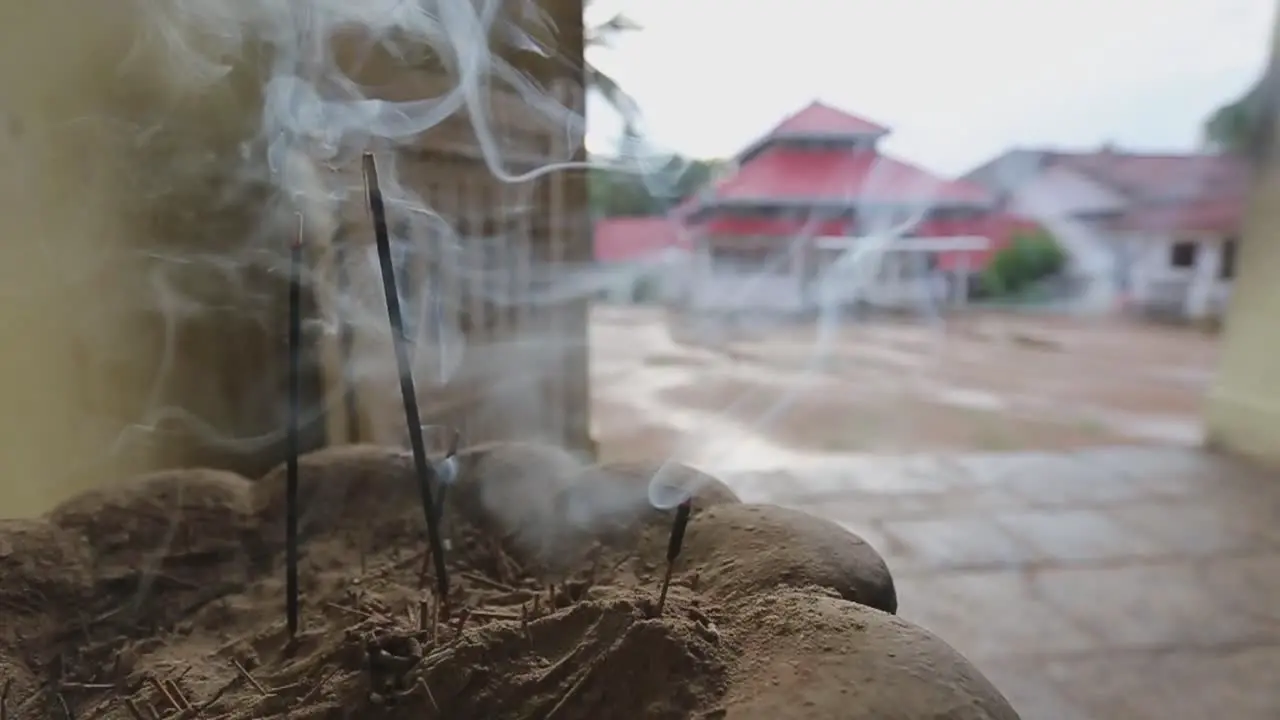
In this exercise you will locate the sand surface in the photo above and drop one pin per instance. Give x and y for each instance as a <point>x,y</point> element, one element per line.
<point>163,598</point>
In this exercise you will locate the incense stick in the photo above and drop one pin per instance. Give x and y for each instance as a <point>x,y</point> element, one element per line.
<point>424,469</point>
<point>450,454</point>
<point>295,392</point>
<point>674,544</point>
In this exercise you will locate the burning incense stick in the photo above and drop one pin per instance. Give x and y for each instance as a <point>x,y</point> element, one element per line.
<point>674,544</point>
<point>424,470</point>
<point>295,392</point>
<point>449,465</point>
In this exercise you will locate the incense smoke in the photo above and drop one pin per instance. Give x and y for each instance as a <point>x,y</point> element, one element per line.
<point>186,120</point>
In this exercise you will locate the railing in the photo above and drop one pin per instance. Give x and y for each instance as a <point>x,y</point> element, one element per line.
<point>908,244</point>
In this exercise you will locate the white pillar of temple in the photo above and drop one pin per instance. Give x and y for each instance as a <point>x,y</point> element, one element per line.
<point>1199,298</point>
<point>921,281</point>
<point>961,296</point>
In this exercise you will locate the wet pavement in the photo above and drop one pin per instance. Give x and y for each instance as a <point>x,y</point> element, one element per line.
<point>1101,583</point>
<point>1131,583</point>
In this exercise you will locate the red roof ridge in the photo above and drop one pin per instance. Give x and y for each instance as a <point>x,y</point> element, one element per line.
<point>819,113</point>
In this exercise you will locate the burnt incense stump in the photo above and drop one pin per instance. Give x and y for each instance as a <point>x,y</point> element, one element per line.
<point>555,570</point>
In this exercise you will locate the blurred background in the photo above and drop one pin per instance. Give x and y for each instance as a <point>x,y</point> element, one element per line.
<point>993,284</point>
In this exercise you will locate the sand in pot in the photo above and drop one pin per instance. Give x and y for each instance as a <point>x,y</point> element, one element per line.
<point>748,548</point>
<point>511,648</point>
<point>814,656</point>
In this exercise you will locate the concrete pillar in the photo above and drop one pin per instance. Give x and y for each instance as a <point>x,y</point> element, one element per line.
<point>115,161</point>
<point>1244,403</point>
<point>899,277</point>
<point>118,358</point>
<point>961,297</point>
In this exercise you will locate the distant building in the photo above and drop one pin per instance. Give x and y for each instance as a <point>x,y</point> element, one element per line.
<point>1158,232</point>
<point>636,256</point>
<point>784,227</point>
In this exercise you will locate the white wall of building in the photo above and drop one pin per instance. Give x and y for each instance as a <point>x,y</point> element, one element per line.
<point>1057,198</point>
<point>1194,292</point>
<point>665,275</point>
<point>724,286</point>
<point>890,278</point>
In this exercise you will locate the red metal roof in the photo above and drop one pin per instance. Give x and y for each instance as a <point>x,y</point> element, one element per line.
<point>841,176</point>
<point>822,119</point>
<point>635,239</point>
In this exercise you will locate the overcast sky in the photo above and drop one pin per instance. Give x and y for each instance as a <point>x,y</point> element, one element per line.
<point>956,80</point>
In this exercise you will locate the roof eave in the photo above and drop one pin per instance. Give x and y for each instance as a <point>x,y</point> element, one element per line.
<point>819,205</point>
<point>763,143</point>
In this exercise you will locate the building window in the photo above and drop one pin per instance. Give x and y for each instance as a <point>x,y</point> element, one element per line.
<point>1227,270</point>
<point>1182,254</point>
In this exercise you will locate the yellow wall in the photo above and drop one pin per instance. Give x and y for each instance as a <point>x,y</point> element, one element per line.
<point>120,155</point>
<point>117,148</point>
<point>79,198</point>
<point>1244,404</point>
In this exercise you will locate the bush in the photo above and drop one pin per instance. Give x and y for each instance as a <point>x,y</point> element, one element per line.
<point>646,289</point>
<point>1029,258</point>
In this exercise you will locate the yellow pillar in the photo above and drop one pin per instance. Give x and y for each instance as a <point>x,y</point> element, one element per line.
<point>113,160</point>
<point>121,157</point>
<point>1244,403</point>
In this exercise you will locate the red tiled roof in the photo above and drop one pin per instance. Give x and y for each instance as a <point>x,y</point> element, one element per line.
<point>1171,193</point>
<point>1150,177</point>
<point>635,239</point>
<point>1222,216</point>
<point>820,118</point>
<point>841,176</point>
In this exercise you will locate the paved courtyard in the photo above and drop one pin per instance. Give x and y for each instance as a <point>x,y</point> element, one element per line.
<point>1127,582</point>
<point>1033,484</point>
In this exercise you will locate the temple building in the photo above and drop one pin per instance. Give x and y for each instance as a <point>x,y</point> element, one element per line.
<point>784,228</point>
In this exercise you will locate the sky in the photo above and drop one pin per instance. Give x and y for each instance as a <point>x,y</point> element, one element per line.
<point>957,81</point>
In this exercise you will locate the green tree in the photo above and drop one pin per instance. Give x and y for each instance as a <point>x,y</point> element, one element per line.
<point>627,191</point>
<point>1244,125</point>
<point>1030,257</point>
<point>603,35</point>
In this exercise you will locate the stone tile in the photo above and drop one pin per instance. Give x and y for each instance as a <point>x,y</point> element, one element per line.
<point>867,477</point>
<point>1177,471</point>
<point>1247,585</point>
<point>1199,527</point>
<point>1076,484</point>
<point>1078,535</point>
<point>925,476</point>
<point>1027,686</point>
<point>1151,606</point>
<point>1152,460</point>
<point>995,468</point>
<point>1149,584</point>
<point>1120,686</point>
<point>989,615</point>
<point>959,542</point>
<point>1238,684</point>
<point>859,505</point>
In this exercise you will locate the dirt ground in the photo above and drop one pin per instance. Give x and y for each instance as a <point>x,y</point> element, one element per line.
<point>980,382</point>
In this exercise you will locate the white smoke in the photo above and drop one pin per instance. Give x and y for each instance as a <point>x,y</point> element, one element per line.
<point>300,90</point>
